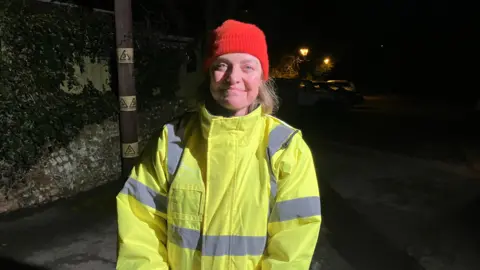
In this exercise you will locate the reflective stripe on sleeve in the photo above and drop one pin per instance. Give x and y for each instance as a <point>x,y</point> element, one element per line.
<point>296,208</point>
<point>174,151</point>
<point>145,195</point>
<point>278,137</point>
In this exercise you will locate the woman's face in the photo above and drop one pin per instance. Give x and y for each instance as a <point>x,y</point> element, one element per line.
<point>235,81</point>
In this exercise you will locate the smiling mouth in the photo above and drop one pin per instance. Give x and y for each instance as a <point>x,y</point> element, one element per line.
<point>234,89</point>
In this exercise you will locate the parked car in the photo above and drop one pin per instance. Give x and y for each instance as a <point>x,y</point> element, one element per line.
<point>346,92</point>
<point>334,92</point>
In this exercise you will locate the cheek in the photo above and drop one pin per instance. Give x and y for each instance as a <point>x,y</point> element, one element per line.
<point>215,81</point>
<point>217,76</point>
<point>253,85</point>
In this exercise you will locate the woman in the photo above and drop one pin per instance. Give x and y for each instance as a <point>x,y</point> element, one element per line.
<point>229,186</point>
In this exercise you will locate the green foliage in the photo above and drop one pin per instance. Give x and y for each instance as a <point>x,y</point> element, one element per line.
<point>39,51</point>
<point>40,48</point>
<point>288,68</point>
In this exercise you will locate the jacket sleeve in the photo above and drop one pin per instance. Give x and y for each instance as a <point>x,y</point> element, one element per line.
<point>294,223</point>
<point>142,212</point>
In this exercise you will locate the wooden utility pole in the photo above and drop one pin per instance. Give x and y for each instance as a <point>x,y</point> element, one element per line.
<point>126,85</point>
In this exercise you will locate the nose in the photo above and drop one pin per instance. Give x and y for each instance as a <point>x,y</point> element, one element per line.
<point>234,75</point>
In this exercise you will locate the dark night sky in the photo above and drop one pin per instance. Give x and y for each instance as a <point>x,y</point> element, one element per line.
<point>420,38</point>
<point>425,41</point>
<point>331,23</point>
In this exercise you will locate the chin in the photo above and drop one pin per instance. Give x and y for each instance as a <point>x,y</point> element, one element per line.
<point>234,106</point>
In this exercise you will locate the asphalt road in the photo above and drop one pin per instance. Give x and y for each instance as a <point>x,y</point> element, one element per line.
<point>429,129</point>
<point>441,170</point>
<point>80,233</point>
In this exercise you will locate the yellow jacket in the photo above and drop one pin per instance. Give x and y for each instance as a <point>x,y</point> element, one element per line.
<point>221,193</point>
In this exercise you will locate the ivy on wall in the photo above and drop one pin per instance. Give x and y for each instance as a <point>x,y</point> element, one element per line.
<point>40,48</point>
<point>38,52</point>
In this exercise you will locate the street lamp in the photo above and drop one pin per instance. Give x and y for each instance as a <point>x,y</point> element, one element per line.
<point>326,61</point>
<point>304,51</point>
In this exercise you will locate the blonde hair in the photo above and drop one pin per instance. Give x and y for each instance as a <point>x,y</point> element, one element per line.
<point>267,96</point>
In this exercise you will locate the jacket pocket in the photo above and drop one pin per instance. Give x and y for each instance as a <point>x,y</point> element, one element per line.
<point>185,202</point>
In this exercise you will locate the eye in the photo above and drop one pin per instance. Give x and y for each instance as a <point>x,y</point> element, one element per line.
<point>248,67</point>
<point>221,67</point>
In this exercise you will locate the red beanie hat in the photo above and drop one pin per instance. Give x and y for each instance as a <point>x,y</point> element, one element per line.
<point>237,37</point>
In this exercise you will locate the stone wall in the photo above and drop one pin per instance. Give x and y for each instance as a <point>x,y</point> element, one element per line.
<point>58,109</point>
<point>90,159</point>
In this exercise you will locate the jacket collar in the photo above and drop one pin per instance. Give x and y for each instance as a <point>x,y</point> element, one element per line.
<point>238,125</point>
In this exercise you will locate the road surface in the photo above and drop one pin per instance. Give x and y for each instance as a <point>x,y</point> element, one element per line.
<point>420,128</point>
<point>381,210</point>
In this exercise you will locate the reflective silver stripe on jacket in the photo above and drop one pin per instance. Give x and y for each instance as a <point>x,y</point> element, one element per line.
<point>296,208</point>
<point>217,245</point>
<point>175,146</point>
<point>279,138</point>
<point>145,195</point>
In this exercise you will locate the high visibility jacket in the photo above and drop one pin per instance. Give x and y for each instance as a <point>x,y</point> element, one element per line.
<point>221,193</point>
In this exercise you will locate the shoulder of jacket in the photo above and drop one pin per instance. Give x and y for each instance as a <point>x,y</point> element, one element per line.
<point>281,135</point>
<point>277,121</point>
<point>176,128</point>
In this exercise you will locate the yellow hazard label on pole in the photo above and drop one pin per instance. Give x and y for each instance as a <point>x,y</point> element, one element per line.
<point>128,103</point>
<point>125,55</point>
<point>130,150</point>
